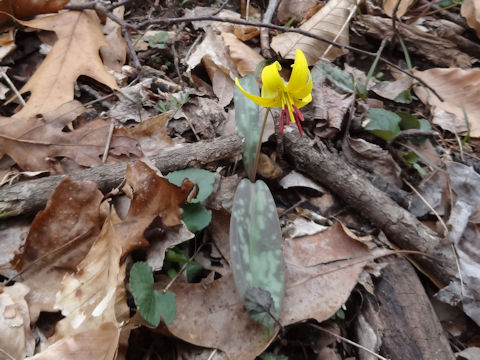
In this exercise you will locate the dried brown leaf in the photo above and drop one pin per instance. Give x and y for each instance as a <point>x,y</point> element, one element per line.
<point>59,238</point>
<point>153,196</point>
<point>115,55</point>
<point>75,53</point>
<point>34,143</point>
<point>321,270</point>
<point>95,293</point>
<point>223,87</point>
<point>471,11</point>
<point>213,53</point>
<point>458,88</point>
<point>151,134</point>
<point>329,22</point>
<point>243,56</point>
<point>17,339</point>
<point>27,8</point>
<point>92,344</point>
<point>294,8</point>
<point>389,6</point>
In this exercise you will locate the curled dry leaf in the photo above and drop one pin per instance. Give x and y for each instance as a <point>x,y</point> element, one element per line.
<point>471,11</point>
<point>242,55</point>
<point>153,196</point>
<point>95,293</point>
<point>27,8</point>
<point>321,270</point>
<point>59,238</point>
<point>33,143</point>
<point>329,22</point>
<point>151,134</point>
<point>75,53</point>
<point>17,339</point>
<point>213,53</point>
<point>389,6</point>
<point>458,88</point>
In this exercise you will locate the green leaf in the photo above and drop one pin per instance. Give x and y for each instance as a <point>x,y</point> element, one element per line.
<point>256,248</point>
<point>152,304</point>
<point>408,121</point>
<point>424,124</point>
<point>405,97</point>
<point>340,78</point>
<point>192,270</point>
<point>246,120</point>
<point>203,178</point>
<point>272,356</point>
<point>158,40</point>
<point>383,123</point>
<point>195,216</point>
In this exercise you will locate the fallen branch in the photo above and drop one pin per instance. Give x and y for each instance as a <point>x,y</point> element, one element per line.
<point>400,226</point>
<point>330,169</point>
<point>399,321</point>
<point>31,196</point>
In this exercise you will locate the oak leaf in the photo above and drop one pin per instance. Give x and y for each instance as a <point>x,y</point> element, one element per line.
<point>33,143</point>
<point>75,53</point>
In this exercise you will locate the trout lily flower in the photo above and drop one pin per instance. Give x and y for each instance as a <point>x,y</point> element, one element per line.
<point>289,97</point>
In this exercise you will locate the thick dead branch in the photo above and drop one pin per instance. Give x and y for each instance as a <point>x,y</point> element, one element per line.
<point>401,227</point>
<point>400,322</point>
<point>31,196</point>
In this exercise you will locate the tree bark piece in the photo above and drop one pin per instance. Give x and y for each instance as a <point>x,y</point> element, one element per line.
<point>400,226</point>
<point>31,196</point>
<point>399,321</point>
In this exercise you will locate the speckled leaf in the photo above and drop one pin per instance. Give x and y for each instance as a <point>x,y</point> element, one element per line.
<point>256,247</point>
<point>246,120</point>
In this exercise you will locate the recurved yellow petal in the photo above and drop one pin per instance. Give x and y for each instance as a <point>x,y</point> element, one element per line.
<point>300,84</point>
<point>262,101</point>
<point>272,82</point>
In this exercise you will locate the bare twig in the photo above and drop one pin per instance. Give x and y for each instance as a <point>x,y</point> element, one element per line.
<point>131,49</point>
<point>108,142</point>
<point>12,86</point>
<point>348,341</point>
<point>167,21</point>
<point>264,36</point>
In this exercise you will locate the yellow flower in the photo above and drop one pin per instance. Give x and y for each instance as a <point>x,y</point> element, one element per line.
<point>289,97</point>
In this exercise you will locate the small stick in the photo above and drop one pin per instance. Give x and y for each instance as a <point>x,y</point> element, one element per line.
<point>264,36</point>
<point>109,141</point>
<point>348,341</point>
<point>12,86</point>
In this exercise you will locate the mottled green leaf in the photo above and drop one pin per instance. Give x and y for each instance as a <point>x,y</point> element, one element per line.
<point>246,120</point>
<point>152,304</point>
<point>195,216</point>
<point>342,79</point>
<point>256,247</point>
<point>203,178</point>
<point>383,123</point>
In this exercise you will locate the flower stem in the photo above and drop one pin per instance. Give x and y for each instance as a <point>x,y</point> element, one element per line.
<point>259,145</point>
